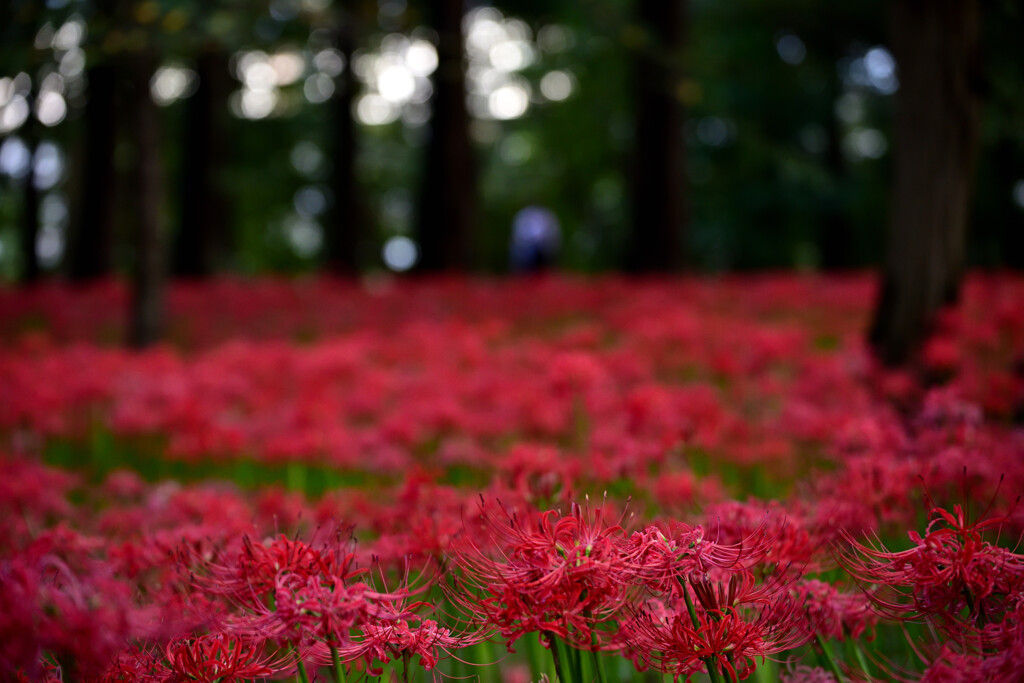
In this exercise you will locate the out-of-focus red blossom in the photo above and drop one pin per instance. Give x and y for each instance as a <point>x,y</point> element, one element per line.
<point>807,674</point>
<point>834,614</point>
<point>550,388</point>
<point>292,592</point>
<point>251,572</point>
<point>764,532</point>
<point>60,596</point>
<point>662,559</point>
<point>397,632</point>
<point>46,672</point>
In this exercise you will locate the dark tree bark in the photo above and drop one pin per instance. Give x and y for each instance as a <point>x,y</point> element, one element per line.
<point>659,187</point>
<point>936,44</point>
<point>203,225</point>
<point>346,230</point>
<point>30,270</point>
<point>448,193</point>
<point>93,232</point>
<point>146,313</point>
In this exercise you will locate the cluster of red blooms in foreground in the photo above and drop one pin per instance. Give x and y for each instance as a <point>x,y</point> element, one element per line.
<point>776,481</point>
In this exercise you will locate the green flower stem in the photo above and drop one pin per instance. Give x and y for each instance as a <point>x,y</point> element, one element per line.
<point>577,663</point>
<point>554,644</point>
<point>303,674</point>
<point>599,666</point>
<point>339,670</point>
<point>825,652</point>
<point>709,662</point>
<point>861,660</point>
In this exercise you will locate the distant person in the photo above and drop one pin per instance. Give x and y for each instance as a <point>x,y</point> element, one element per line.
<point>536,238</point>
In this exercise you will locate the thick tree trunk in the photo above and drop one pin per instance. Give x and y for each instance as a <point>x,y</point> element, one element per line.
<point>448,198</point>
<point>146,314</point>
<point>93,231</point>
<point>30,270</point>
<point>346,229</point>
<point>203,224</point>
<point>659,185</point>
<point>935,43</point>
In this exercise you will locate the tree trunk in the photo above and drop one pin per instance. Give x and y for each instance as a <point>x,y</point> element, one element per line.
<point>146,314</point>
<point>30,270</point>
<point>936,44</point>
<point>659,186</point>
<point>346,230</point>
<point>448,198</point>
<point>93,233</point>
<point>203,224</point>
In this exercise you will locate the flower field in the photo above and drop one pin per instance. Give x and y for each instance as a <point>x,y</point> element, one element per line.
<point>594,480</point>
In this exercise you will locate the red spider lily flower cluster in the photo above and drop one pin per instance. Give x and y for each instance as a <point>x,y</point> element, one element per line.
<point>545,573</point>
<point>743,417</point>
<point>958,582</point>
<point>951,573</point>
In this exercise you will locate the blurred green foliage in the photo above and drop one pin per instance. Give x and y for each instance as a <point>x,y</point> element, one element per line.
<point>787,141</point>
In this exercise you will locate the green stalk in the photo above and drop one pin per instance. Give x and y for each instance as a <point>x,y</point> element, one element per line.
<point>861,660</point>
<point>598,664</point>
<point>599,667</point>
<point>577,664</point>
<point>339,670</point>
<point>303,674</point>
<point>709,662</point>
<point>534,658</point>
<point>827,658</point>
<point>555,645</point>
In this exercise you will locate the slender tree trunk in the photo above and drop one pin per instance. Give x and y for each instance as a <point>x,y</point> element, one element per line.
<point>203,224</point>
<point>659,186</point>
<point>146,314</point>
<point>935,43</point>
<point>30,270</point>
<point>448,198</point>
<point>93,231</point>
<point>346,230</point>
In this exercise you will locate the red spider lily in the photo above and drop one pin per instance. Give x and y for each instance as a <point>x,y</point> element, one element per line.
<point>47,672</point>
<point>136,665</point>
<point>807,674</point>
<point>223,658</point>
<point>253,572</point>
<point>293,593</point>
<point>251,577</point>
<point>950,571</point>
<point>832,613</point>
<point>737,587</point>
<point>663,561</point>
<point>729,639</point>
<point>212,658</point>
<point>764,533</point>
<point>312,608</point>
<point>564,576</point>
<point>396,632</point>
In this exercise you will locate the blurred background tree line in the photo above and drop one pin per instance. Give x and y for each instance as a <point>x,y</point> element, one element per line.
<point>186,138</point>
